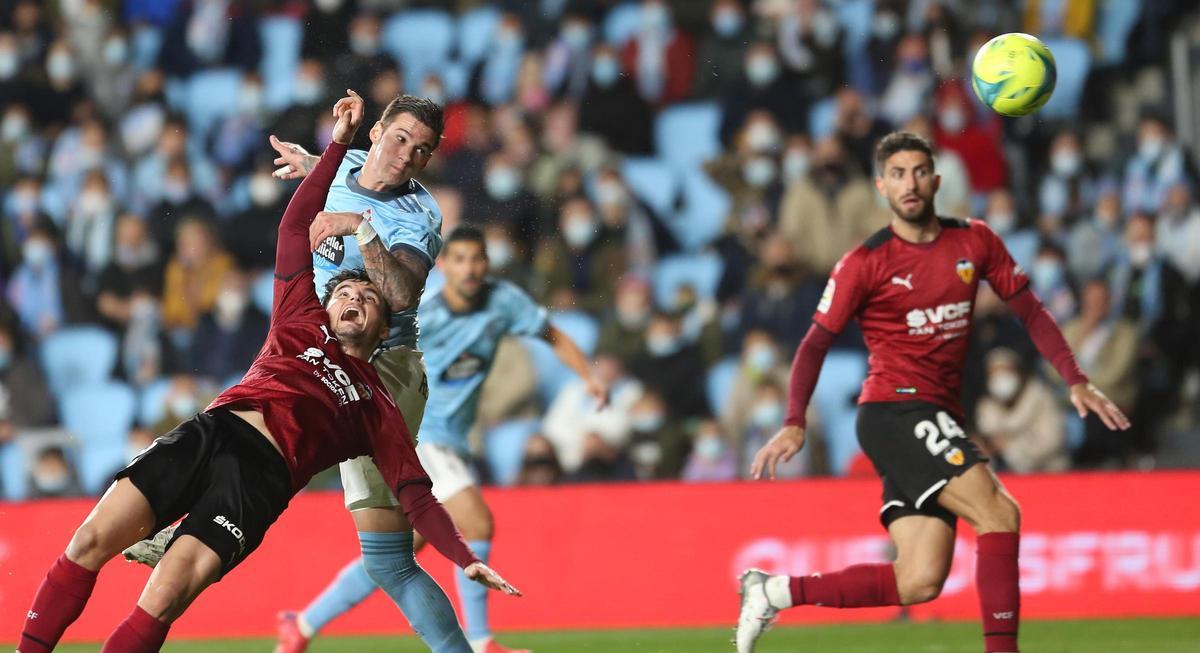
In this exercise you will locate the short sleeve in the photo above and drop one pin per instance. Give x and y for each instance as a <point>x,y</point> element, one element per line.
<point>1002,273</point>
<point>524,316</point>
<point>843,295</point>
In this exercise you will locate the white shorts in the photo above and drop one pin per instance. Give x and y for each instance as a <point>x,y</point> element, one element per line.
<point>403,373</point>
<point>446,467</point>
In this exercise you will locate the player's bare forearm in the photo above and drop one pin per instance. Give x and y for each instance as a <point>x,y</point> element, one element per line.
<point>573,357</point>
<point>399,275</point>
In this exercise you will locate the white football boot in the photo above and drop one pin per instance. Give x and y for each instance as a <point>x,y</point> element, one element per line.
<point>756,614</point>
<point>149,552</point>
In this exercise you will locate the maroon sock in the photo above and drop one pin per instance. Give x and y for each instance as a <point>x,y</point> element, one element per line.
<point>58,603</point>
<point>139,633</point>
<point>997,578</point>
<point>859,586</point>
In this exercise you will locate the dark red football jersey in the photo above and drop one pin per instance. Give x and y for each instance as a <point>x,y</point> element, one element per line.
<point>914,303</point>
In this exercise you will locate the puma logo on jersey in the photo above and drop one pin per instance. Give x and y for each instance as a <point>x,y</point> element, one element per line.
<point>906,281</point>
<point>325,330</point>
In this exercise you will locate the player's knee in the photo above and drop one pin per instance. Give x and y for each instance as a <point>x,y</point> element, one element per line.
<point>91,545</point>
<point>919,589</point>
<point>1003,516</point>
<point>165,599</point>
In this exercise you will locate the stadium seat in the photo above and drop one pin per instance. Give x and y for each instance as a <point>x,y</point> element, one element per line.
<point>552,373</point>
<point>420,39</point>
<point>152,402</point>
<point>687,135</point>
<point>653,181</point>
<point>262,291</point>
<point>700,271</point>
<point>231,380</point>
<point>841,378</point>
<point>704,213</point>
<point>281,36</point>
<point>580,327</point>
<point>78,356</point>
<point>211,95</point>
<point>475,29</point>
<point>456,79</point>
<point>718,384</point>
<point>855,17</point>
<point>1074,61</point>
<point>14,468</point>
<point>821,118</point>
<point>1114,20</point>
<point>100,417</point>
<point>504,448</point>
<point>621,23</point>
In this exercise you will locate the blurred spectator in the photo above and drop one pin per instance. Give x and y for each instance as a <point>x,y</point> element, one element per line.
<point>135,268</point>
<point>194,275</point>
<point>712,458</point>
<point>239,136</point>
<point>310,102</point>
<point>568,61</point>
<point>251,235</point>
<point>1159,163</point>
<point>612,108</point>
<point>1048,278</point>
<point>583,255</point>
<point>494,81</point>
<point>25,399</point>
<point>539,465</point>
<point>506,199</point>
<point>646,237</point>
<point>1178,229</point>
<point>765,87</point>
<point>623,329</point>
<point>958,128</point>
<point>52,477</point>
<point>672,367</point>
<point>660,443</point>
<point>751,176</point>
<point>186,395</point>
<point>810,47</point>
<point>1094,243</point>
<point>91,226</point>
<point>573,416</point>
<point>363,57</point>
<point>1002,215</point>
<point>887,27</point>
<point>954,190</point>
<point>163,191</point>
<point>112,77</point>
<point>507,258</point>
<point>53,103</point>
<point>43,291</point>
<point>782,297</point>
<point>761,359</point>
<point>563,147</point>
<point>859,131</point>
<point>660,56</point>
<point>210,33</point>
<point>1068,188</point>
<point>830,211</point>
<point>912,81</point>
<point>766,418</point>
<point>1106,346</point>
<point>228,337</point>
<point>1020,418</point>
<point>1070,18</point>
<point>719,64</point>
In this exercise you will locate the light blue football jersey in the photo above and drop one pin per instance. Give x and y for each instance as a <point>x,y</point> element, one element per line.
<point>459,350</point>
<point>410,220</point>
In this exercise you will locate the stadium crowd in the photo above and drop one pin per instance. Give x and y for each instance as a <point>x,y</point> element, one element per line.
<point>674,179</point>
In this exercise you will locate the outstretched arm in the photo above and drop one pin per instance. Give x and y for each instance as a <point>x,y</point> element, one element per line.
<point>1050,343</point>
<point>806,368</point>
<point>569,353</point>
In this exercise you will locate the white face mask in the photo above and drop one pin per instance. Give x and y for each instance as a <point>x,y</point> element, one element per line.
<point>182,405</point>
<point>60,66</point>
<point>647,422</point>
<point>767,415</point>
<point>579,232</point>
<point>1140,254</point>
<point>709,448</point>
<point>1002,222</point>
<point>502,183</point>
<point>14,127</point>
<point>263,189</point>
<point>953,119</point>
<point>9,64</point>
<point>307,90</point>
<point>1151,148</point>
<point>364,44</point>
<point>759,171</point>
<point>115,51</point>
<point>1003,385</point>
<point>610,193</point>
<point>762,70</point>
<point>662,344</point>
<point>763,137</point>
<point>91,202</point>
<point>762,358</point>
<point>229,306</point>
<point>796,164</point>
<point>576,36</point>
<point>36,252</point>
<point>1066,163</point>
<point>499,253</point>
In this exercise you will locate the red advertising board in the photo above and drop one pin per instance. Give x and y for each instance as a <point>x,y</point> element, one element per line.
<point>1094,545</point>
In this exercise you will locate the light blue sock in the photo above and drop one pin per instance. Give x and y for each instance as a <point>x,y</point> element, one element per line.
<point>388,558</point>
<point>352,586</point>
<point>474,597</point>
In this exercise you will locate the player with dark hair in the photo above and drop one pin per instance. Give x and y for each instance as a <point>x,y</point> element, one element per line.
<point>912,286</point>
<point>309,400</point>
<point>462,326</point>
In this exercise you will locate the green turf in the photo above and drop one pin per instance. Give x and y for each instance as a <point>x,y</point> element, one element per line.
<point>1115,636</point>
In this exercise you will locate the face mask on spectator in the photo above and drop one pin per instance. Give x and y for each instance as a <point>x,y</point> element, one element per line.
<point>502,183</point>
<point>14,127</point>
<point>23,203</point>
<point>647,422</point>
<point>434,94</point>
<point>796,164</point>
<point>9,64</point>
<point>1140,254</point>
<point>1150,148</point>
<point>761,358</point>
<point>130,257</point>
<point>263,189</point>
<point>661,345</point>
<point>60,66</point>
<point>758,171</point>
<point>1066,163</point>
<point>175,191</point>
<point>709,448</point>
<point>610,193</point>
<point>655,18</point>
<point>761,70</point>
<point>646,453</point>
<point>329,6</point>
<point>115,51</point>
<point>576,35</point>
<point>1002,222</point>
<point>953,119</point>
<point>885,25</point>
<point>229,306</point>
<point>1003,385</point>
<point>141,128</point>
<point>364,44</point>
<point>499,253</point>
<point>51,483</point>
<point>727,21</point>
<point>767,415</point>
<point>250,100</point>
<point>1106,219</point>
<point>1046,273</point>
<point>5,358</point>
<point>307,91</point>
<point>763,137</point>
<point>36,253</point>
<point>182,405</point>
<point>91,202</point>
<point>824,27</point>
<point>579,231</point>
<point>605,71</point>
<point>632,315</point>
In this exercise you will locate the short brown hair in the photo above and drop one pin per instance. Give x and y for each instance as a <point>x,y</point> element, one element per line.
<point>900,141</point>
<point>352,274</point>
<point>425,110</point>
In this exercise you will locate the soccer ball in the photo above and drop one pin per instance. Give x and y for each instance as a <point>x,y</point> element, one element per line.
<point>1014,74</point>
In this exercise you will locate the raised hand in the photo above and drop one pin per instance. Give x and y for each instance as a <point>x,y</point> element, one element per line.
<point>293,161</point>
<point>349,114</point>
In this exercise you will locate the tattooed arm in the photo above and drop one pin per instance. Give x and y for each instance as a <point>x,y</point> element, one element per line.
<point>399,274</point>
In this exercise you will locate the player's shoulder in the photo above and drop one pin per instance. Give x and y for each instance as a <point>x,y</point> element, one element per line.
<point>505,291</point>
<point>865,250</point>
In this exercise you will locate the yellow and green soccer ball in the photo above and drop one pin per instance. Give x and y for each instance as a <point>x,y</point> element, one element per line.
<point>1014,74</point>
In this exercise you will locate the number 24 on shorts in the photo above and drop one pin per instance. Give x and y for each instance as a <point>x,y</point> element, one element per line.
<point>937,436</point>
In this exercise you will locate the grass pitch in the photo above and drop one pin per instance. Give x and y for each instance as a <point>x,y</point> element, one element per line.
<point>1110,636</point>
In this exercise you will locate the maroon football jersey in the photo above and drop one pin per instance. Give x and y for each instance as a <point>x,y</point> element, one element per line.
<point>914,303</point>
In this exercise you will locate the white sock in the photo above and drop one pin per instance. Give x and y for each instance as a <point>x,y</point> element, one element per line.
<point>478,645</point>
<point>305,629</point>
<point>779,595</point>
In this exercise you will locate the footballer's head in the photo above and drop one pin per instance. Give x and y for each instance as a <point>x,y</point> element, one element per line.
<point>404,138</point>
<point>358,313</point>
<point>905,177</point>
<point>464,262</point>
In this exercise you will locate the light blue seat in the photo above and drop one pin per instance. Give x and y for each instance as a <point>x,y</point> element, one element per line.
<point>841,379</point>
<point>718,384</point>
<point>701,271</point>
<point>475,29</point>
<point>262,291</point>
<point>704,213</point>
<point>100,417</point>
<point>855,18</point>
<point>78,356</point>
<point>653,181</point>
<point>152,405</point>
<point>420,39</point>
<point>211,95</point>
<point>231,380</point>
<point>504,448</point>
<point>821,118</point>
<point>1074,61</point>
<point>621,23</point>
<point>456,79</point>
<point>281,37</point>
<point>687,135</point>
<point>1114,20</point>
<point>580,327</point>
<point>552,373</point>
<point>14,470</point>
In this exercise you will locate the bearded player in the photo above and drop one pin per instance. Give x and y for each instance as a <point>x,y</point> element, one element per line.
<point>310,399</point>
<point>912,287</point>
